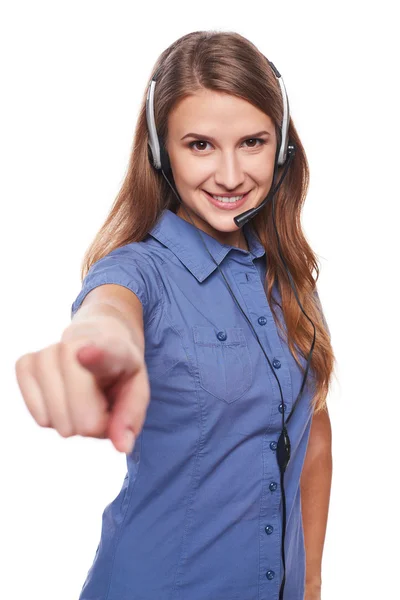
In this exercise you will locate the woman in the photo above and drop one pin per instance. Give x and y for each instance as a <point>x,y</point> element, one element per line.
<point>186,336</point>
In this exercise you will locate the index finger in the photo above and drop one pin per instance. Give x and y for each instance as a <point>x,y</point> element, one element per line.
<point>87,404</point>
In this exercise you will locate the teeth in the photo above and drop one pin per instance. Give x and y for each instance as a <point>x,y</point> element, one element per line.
<point>232,199</point>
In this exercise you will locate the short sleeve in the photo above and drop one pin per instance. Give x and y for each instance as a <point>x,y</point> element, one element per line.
<point>127,267</point>
<point>322,312</point>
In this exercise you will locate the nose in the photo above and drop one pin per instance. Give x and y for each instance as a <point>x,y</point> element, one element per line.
<point>229,172</point>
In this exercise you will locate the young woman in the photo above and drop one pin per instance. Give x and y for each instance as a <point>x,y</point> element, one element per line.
<point>188,346</point>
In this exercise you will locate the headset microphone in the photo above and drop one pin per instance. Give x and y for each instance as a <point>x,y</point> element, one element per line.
<point>244,217</point>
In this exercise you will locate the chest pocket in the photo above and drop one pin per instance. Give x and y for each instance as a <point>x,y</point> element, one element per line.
<point>224,362</point>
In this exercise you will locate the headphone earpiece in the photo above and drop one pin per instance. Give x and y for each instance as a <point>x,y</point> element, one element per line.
<point>165,162</point>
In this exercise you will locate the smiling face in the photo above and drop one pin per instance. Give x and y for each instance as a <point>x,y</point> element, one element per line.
<point>230,151</point>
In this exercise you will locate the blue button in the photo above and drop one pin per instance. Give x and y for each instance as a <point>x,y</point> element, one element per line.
<point>284,407</point>
<point>273,445</point>
<point>270,574</point>
<point>221,335</point>
<point>276,363</point>
<point>262,320</point>
<point>269,529</point>
<point>272,486</point>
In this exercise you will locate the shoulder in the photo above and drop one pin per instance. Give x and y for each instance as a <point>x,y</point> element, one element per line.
<point>133,266</point>
<point>149,252</point>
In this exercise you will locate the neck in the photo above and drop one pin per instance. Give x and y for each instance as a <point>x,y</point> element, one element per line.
<point>236,238</point>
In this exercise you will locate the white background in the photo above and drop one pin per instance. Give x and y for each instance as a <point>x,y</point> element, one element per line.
<point>73,75</point>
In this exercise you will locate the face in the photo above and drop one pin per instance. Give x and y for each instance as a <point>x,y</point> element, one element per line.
<point>216,148</point>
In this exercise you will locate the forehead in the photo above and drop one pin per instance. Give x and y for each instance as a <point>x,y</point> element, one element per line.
<point>213,112</point>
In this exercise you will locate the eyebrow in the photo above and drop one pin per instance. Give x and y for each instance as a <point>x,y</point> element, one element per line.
<point>209,137</point>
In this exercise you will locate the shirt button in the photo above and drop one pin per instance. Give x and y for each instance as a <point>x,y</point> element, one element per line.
<point>262,320</point>
<point>270,574</point>
<point>272,486</point>
<point>284,407</point>
<point>273,445</point>
<point>268,529</point>
<point>276,363</point>
<point>221,335</point>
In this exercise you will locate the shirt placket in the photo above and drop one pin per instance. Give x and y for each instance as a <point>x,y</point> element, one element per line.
<point>270,524</point>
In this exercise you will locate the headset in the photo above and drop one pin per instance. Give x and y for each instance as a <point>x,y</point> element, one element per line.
<point>285,154</point>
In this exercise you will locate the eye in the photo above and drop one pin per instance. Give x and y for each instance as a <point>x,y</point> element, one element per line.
<point>262,142</point>
<point>192,144</point>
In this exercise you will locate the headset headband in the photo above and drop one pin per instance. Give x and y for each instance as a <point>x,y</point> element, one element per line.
<point>154,142</point>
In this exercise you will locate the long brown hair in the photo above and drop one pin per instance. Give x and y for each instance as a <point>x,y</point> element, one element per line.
<point>228,62</point>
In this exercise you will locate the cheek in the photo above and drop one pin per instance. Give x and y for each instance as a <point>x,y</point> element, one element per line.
<point>190,174</point>
<point>262,174</point>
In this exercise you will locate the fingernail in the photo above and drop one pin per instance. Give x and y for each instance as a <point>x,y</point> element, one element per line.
<point>129,441</point>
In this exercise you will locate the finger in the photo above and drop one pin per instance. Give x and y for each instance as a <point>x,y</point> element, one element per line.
<point>48,375</point>
<point>110,362</point>
<point>31,393</point>
<point>86,401</point>
<point>132,398</point>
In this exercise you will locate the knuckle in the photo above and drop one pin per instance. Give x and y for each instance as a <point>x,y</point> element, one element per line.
<point>40,361</point>
<point>23,365</point>
<point>90,426</point>
<point>41,419</point>
<point>65,351</point>
<point>64,347</point>
<point>65,430</point>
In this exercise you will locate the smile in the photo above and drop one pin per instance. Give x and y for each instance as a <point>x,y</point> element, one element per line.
<point>227,203</point>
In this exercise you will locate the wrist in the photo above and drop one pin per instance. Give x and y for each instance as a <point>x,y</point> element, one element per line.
<point>314,583</point>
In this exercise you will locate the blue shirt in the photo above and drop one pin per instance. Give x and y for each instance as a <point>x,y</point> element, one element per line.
<point>199,514</point>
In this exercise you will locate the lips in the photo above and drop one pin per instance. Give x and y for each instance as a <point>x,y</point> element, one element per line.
<point>226,206</point>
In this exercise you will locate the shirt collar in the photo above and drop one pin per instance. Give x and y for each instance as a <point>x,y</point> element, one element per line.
<point>184,241</point>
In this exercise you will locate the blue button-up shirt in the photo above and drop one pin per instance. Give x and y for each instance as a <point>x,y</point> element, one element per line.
<point>199,514</point>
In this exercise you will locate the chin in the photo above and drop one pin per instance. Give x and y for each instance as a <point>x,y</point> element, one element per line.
<point>224,223</point>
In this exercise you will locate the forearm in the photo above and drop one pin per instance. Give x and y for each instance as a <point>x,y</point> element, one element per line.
<point>315,484</point>
<point>92,314</point>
